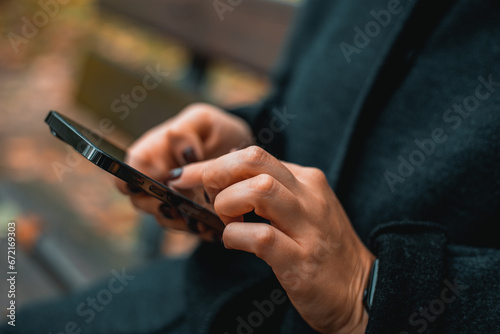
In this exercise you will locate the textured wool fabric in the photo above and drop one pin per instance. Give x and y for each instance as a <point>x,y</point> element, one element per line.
<point>407,130</point>
<point>408,135</point>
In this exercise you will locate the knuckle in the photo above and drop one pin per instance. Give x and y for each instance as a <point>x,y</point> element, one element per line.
<point>199,108</point>
<point>316,174</point>
<point>264,238</point>
<point>212,179</point>
<point>263,184</point>
<point>316,177</point>
<point>174,132</point>
<point>206,176</point>
<point>254,154</point>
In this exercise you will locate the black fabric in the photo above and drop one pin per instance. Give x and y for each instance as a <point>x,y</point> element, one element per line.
<point>438,224</point>
<point>419,249</point>
<point>145,300</point>
<point>431,223</point>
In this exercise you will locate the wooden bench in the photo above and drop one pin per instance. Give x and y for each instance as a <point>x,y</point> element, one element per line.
<point>248,33</point>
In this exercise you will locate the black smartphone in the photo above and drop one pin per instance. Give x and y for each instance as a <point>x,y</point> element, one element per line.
<point>107,156</point>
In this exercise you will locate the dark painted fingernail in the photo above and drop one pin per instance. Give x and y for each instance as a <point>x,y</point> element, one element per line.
<point>189,155</point>
<point>207,199</point>
<point>174,174</point>
<point>166,211</point>
<point>133,189</point>
<point>192,225</point>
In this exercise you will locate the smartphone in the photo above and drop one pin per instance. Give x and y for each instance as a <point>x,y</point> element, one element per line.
<point>109,157</point>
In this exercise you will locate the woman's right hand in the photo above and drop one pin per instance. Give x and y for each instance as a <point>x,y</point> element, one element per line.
<point>199,132</point>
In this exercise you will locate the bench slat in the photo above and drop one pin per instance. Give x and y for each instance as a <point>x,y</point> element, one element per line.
<point>252,33</point>
<point>102,82</point>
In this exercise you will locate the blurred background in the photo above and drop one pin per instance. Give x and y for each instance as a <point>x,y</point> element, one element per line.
<point>87,59</point>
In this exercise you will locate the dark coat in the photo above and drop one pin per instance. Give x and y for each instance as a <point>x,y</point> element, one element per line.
<point>402,113</point>
<point>404,119</point>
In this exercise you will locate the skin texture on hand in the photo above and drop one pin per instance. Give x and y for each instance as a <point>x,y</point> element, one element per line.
<point>310,244</point>
<point>199,132</point>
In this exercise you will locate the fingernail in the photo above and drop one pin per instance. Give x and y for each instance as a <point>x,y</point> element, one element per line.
<point>133,189</point>
<point>207,199</point>
<point>174,174</point>
<point>189,155</point>
<point>166,211</point>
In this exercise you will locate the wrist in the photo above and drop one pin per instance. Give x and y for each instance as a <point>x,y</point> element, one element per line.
<point>357,321</point>
<point>364,294</point>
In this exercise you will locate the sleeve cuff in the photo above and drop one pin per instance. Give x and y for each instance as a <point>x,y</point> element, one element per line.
<point>410,276</point>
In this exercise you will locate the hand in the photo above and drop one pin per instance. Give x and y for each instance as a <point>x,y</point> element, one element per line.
<point>199,132</point>
<point>310,244</point>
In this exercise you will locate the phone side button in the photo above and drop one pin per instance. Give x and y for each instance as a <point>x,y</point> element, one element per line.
<point>157,191</point>
<point>138,181</point>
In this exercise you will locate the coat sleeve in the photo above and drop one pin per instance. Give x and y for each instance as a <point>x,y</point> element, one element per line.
<point>427,285</point>
<point>259,118</point>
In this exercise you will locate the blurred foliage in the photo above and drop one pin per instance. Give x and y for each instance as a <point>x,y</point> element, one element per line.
<point>44,74</point>
<point>57,29</point>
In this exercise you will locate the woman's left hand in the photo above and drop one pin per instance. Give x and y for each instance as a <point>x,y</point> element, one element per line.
<point>310,244</point>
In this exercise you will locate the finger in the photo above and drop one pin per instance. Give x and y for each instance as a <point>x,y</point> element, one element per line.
<point>267,242</point>
<point>294,168</point>
<point>171,217</point>
<point>240,165</point>
<point>122,186</point>
<point>264,194</point>
<point>185,144</point>
<point>159,169</point>
<point>191,176</point>
<point>151,205</point>
<point>309,175</point>
<point>153,160</point>
<point>145,202</point>
<point>155,172</point>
